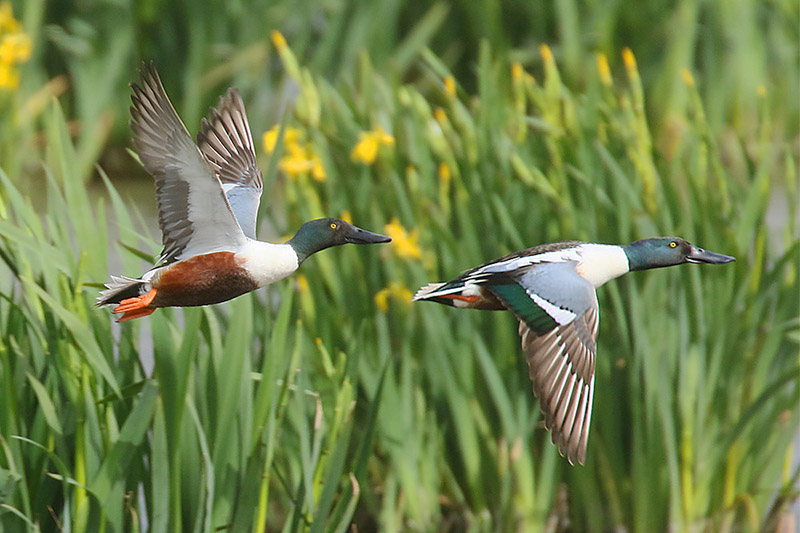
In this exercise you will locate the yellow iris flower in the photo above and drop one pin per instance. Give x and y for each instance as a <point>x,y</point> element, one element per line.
<point>366,150</point>
<point>15,47</point>
<point>404,243</point>
<point>394,291</point>
<point>300,157</point>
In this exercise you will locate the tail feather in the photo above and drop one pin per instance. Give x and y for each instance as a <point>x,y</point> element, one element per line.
<point>120,288</point>
<point>456,293</point>
<point>443,293</point>
<point>427,291</point>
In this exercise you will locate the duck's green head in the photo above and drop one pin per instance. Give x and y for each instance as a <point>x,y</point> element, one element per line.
<point>669,251</point>
<point>322,233</point>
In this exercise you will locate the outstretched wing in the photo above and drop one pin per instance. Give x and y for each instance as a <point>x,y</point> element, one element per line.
<point>193,212</point>
<point>558,314</point>
<point>226,142</point>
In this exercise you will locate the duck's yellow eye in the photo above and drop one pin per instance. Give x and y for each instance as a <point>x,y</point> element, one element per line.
<point>673,244</point>
<point>333,225</point>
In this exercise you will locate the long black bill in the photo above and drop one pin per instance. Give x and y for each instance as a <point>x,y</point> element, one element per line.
<point>698,255</point>
<point>362,236</point>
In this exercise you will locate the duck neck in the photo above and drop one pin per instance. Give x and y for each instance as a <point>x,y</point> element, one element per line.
<point>641,257</point>
<point>305,245</point>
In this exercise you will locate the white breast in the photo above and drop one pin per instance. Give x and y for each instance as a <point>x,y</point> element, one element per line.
<point>600,263</point>
<point>267,262</point>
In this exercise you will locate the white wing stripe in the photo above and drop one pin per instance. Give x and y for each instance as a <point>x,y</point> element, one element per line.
<point>561,316</point>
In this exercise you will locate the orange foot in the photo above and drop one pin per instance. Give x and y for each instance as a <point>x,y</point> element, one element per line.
<point>136,307</point>
<point>138,313</point>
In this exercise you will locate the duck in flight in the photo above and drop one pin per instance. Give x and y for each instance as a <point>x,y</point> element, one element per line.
<point>208,195</point>
<point>551,291</point>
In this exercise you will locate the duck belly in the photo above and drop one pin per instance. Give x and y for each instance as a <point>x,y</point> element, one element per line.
<point>202,280</point>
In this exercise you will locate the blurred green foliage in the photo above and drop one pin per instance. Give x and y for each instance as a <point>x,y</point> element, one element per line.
<point>318,403</point>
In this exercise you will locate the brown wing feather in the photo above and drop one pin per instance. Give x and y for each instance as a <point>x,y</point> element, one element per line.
<point>227,143</point>
<point>561,364</point>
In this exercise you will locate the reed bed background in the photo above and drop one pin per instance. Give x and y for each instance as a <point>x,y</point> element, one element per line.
<point>466,131</point>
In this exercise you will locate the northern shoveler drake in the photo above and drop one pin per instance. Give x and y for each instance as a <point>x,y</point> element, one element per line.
<point>551,291</point>
<point>208,195</point>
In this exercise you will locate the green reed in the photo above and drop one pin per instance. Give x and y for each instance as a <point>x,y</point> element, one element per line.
<point>327,399</point>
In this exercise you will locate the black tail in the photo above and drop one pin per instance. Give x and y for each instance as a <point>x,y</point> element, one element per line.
<point>429,293</point>
<point>120,288</point>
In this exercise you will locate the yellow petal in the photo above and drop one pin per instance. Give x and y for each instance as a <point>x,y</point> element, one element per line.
<point>384,137</point>
<point>450,86</point>
<point>395,291</point>
<point>278,40</point>
<point>603,69</point>
<point>302,283</point>
<point>517,71</point>
<point>444,172</point>
<point>294,165</point>
<point>366,150</point>
<point>404,243</point>
<point>22,47</point>
<point>295,150</point>
<point>629,59</point>
<point>402,294</point>
<point>317,170</point>
<point>547,54</point>
<point>9,77</point>
<point>688,79</point>
<point>269,139</point>
<point>8,23</point>
<point>382,300</point>
<point>291,135</point>
<point>6,50</point>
